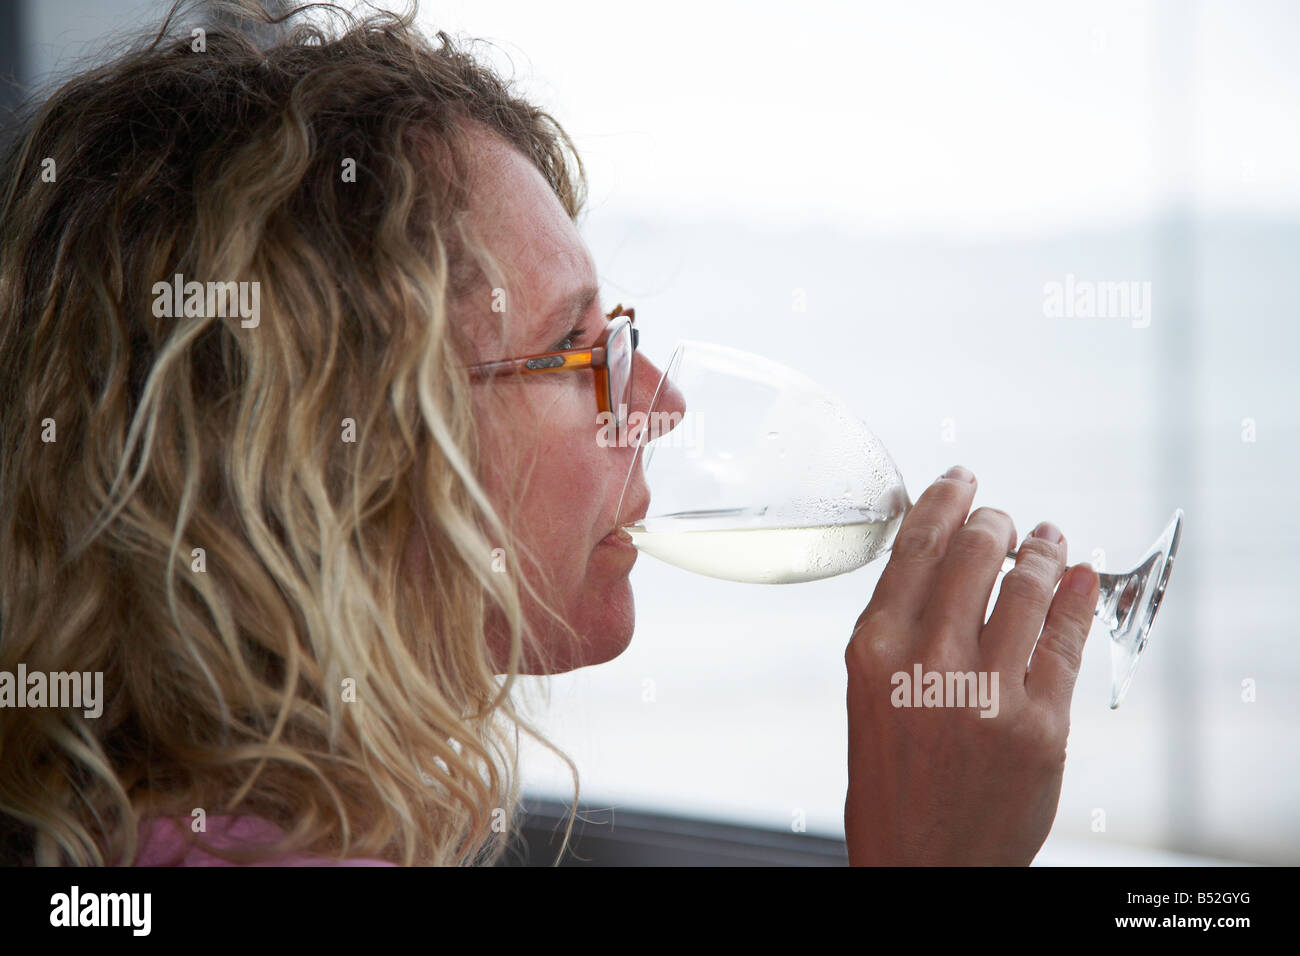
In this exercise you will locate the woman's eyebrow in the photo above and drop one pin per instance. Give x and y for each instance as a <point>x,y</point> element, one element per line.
<point>568,310</point>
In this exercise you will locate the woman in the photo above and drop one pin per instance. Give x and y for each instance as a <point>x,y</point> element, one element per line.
<point>302,539</point>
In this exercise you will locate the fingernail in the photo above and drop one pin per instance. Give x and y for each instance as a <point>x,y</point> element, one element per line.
<point>957,471</point>
<point>1048,532</point>
<point>1079,580</point>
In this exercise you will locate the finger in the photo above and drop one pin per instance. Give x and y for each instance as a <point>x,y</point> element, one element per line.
<point>955,610</point>
<point>1055,665</point>
<point>921,543</point>
<point>1026,593</point>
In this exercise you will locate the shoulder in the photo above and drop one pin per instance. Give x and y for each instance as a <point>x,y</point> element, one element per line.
<point>166,841</point>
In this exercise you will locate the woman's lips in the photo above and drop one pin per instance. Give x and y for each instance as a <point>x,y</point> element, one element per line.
<point>618,538</point>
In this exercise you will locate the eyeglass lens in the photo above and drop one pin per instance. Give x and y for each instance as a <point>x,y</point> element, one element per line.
<point>619,359</point>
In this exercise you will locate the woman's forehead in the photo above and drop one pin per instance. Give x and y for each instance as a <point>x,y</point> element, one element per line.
<point>519,218</point>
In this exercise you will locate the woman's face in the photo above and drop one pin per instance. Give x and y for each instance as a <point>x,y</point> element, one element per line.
<point>538,435</point>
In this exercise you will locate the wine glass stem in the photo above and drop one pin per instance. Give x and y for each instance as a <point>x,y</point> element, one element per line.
<point>1113,603</point>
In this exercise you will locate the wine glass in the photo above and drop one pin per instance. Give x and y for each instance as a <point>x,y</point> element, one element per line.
<point>766,478</point>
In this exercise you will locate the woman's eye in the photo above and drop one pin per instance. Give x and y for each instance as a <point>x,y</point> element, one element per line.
<point>570,341</point>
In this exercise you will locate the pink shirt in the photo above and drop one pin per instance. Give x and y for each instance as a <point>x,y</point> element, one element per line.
<point>161,841</point>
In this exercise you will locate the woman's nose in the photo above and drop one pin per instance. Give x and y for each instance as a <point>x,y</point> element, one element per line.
<point>669,405</point>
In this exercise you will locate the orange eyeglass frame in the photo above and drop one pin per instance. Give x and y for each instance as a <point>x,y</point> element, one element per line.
<point>592,357</point>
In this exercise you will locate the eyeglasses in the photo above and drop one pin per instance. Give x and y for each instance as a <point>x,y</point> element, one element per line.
<point>610,357</point>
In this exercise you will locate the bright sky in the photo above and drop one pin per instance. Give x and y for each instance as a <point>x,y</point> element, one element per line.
<point>987,117</point>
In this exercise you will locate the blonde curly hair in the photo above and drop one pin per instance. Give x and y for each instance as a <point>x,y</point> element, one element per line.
<point>223,666</point>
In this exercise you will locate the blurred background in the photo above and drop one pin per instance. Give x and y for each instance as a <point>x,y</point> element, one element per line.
<point>889,196</point>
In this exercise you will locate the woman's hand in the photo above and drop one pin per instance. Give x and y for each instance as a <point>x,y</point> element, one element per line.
<point>943,784</point>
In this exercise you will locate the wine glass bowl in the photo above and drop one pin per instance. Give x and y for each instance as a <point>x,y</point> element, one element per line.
<point>766,478</point>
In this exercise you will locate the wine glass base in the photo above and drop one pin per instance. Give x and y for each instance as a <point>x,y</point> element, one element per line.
<point>1129,602</point>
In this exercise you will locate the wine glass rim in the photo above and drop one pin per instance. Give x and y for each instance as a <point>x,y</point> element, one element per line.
<point>674,361</point>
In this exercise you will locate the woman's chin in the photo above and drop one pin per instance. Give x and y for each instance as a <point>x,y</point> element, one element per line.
<point>604,623</point>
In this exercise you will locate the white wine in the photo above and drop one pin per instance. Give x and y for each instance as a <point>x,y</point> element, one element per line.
<point>763,555</point>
